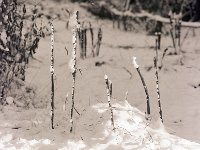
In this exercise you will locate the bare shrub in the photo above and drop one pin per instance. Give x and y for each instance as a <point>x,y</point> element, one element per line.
<point>17,44</point>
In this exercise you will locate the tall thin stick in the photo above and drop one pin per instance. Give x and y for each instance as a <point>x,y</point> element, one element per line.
<point>85,42</point>
<point>75,25</point>
<point>99,42</point>
<point>158,39</point>
<point>157,88</point>
<point>163,56</point>
<point>52,76</point>
<point>179,33</point>
<point>109,94</point>
<point>172,36</point>
<point>81,41</point>
<point>144,85</point>
<point>172,32</point>
<point>92,37</point>
<point>157,81</point>
<point>176,31</point>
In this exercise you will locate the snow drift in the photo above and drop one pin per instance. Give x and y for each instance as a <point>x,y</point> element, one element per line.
<point>132,131</point>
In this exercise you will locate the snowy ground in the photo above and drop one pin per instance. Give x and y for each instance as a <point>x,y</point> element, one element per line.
<point>131,131</point>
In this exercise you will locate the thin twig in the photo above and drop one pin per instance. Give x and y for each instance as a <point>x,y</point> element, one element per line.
<point>109,94</point>
<point>131,75</point>
<point>52,75</point>
<point>163,56</point>
<point>144,85</point>
<point>75,26</point>
<point>92,37</point>
<point>99,42</point>
<point>157,88</point>
<point>157,79</point>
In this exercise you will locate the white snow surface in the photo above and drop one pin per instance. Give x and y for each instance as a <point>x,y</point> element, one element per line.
<point>131,132</point>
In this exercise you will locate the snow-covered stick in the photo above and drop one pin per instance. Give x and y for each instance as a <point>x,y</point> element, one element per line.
<point>175,31</point>
<point>75,26</point>
<point>109,94</point>
<point>110,87</point>
<point>172,36</point>
<point>52,75</point>
<point>172,32</point>
<point>80,34</point>
<point>157,79</point>
<point>99,42</point>
<point>144,85</point>
<point>157,87</point>
<point>179,33</point>
<point>85,42</point>
<point>158,39</point>
<point>163,56</point>
<point>157,47</point>
<point>92,37</point>
<point>156,44</point>
<point>79,40</point>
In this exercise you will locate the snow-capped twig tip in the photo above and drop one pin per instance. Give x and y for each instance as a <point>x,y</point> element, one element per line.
<point>105,77</point>
<point>135,63</point>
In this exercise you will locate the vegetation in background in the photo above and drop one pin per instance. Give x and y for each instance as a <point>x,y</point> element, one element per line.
<point>17,44</point>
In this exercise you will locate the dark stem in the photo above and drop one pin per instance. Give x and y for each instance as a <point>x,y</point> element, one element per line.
<point>52,101</point>
<point>109,94</point>
<point>73,95</point>
<point>157,88</point>
<point>145,89</point>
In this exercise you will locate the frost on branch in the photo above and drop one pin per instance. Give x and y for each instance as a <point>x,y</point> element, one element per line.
<point>135,63</point>
<point>75,25</point>
<point>72,63</point>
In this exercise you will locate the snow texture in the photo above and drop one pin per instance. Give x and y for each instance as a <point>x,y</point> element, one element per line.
<point>132,132</point>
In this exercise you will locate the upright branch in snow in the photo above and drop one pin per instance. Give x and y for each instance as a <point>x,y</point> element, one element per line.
<point>92,37</point>
<point>175,31</point>
<point>179,34</point>
<point>158,39</point>
<point>109,94</point>
<point>85,43</point>
<point>163,56</point>
<point>110,87</point>
<point>82,33</point>
<point>75,26</point>
<point>157,88</point>
<point>157,80</point>
<point>99,41</point>
<point>172,36</point>
<point>96,46</point>
<point>156,46</point>
<point>52,75</point>
<point>144,85</point>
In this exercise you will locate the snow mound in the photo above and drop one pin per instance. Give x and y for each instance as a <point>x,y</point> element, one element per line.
<point>131,131</point>
<point>134,132</point>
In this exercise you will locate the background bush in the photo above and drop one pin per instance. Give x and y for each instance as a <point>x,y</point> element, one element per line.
<point>17,44</point>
